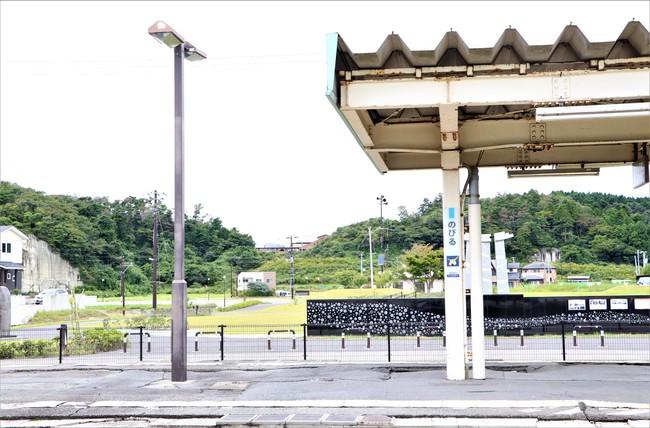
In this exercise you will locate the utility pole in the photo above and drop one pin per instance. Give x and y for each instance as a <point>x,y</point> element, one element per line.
<point>124,269</point>
<point>382,202</point>
<point>291,276</point>
<point>372,278</point>
<point>122,290</point>
<point>155,250</point>
<point>231,266</point>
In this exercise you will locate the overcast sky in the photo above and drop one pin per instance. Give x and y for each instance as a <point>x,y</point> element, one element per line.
<point>87,103</point>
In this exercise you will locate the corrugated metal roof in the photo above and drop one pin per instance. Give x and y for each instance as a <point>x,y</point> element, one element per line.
<point>571,51</point>
<point>390,99</point>
<point>571,47</point>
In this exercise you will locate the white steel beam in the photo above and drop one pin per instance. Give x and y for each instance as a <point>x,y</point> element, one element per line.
<point>551,87</point>
<point>493,134</point>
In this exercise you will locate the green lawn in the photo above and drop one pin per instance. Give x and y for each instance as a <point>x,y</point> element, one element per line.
<point>289,313</point>
<point>296,312</point>
<point>582,290</point>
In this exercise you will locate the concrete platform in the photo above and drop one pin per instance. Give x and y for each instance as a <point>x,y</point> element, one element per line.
<point>232,394</point>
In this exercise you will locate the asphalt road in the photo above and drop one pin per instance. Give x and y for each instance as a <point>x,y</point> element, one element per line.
<point>235,394</point>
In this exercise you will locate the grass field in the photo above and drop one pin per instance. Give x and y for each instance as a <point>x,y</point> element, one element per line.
<point>289,313</point>
<point>296,312</point>
<point>581,290</point>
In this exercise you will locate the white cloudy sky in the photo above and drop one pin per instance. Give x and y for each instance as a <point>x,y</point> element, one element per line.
<point>87,103</point>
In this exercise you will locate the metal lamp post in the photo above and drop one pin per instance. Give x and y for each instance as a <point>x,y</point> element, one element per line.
<point>182,50</point>
<point>292,284</point>
<point>382,202</point>
<point>224,290</point>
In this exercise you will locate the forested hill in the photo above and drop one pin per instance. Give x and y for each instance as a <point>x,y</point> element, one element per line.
<point>95,234</point>
<point>585,227</point>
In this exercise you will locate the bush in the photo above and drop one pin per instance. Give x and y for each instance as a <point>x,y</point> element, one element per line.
<point>100,340</point>
<point>29,348</point>
<point>7,350</point>
<point>258,289</point>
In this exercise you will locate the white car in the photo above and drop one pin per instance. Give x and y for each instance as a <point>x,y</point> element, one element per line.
<point>48,292</point>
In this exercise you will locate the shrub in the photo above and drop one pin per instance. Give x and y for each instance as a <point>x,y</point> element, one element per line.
<point>29,348</point>
<point>258,289</point>
<point>100,340</point>
<point>7,350</point>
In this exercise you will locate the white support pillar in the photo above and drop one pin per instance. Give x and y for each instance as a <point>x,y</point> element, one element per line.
<point>467,269</point>
<point>475,237</point>
<point>502,261</point>
<point>487,263</point>
<point>455,310</point>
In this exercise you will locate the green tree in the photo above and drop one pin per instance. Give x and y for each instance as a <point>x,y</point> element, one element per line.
<point>424,264</point>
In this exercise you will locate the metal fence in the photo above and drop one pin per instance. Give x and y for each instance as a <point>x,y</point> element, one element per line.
<point>386,343</point>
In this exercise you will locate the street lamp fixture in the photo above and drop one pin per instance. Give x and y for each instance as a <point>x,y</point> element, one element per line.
<point>182,50</point>
<point>168,36</point>
<point>165,34</point>
<point>192,54</point>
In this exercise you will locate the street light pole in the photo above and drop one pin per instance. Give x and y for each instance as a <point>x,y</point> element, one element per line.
<point>122,287</point>
<point>154,302</point>
<point>124,269</point>
<point>182,50</point>
<point>224,290</point>
<point>382,202</point>
<point>372,277</point>
<point>291,275</point>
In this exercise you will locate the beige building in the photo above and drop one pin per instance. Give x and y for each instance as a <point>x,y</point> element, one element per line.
<point>539,273</point>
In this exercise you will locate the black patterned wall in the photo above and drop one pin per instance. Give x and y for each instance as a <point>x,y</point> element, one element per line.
<point>405,316</point>
<point>373,315</point>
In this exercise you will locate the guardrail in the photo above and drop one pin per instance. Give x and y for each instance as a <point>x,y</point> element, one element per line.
<point>140,334</point>
<point>398,342</point>
<point>595,327</point>
<point>281,331</point>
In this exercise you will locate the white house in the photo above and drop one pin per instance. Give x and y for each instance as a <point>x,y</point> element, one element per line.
<point>245,278</point>
<point>12,242</point>
<point>30,265</point>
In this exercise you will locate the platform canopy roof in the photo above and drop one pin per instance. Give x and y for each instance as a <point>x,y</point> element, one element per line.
<point>571,104</point>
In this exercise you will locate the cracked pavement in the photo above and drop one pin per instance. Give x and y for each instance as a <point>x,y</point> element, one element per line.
<point>543,392</point>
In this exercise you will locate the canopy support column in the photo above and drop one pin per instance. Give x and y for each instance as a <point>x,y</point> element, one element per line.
<point>453,230</point>
<point>476,277</point>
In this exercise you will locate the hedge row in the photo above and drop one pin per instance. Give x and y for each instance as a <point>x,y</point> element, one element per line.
<point>88,342</point>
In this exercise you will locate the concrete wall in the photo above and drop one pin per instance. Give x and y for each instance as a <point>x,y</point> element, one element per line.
<point>45,268</point>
